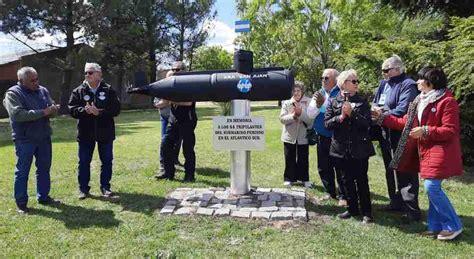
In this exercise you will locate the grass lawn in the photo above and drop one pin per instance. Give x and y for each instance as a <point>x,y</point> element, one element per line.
<point>131,226</point>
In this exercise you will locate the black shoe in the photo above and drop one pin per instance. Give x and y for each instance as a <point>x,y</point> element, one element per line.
<point>22,209</point>
<point>391,208</point>
<point>367,220</point>
<point>409,218</point>
<point>345,215</point>
<point>48,201</point>
<point>163,177</point>
<point>189,179</point>
<point>82,195</point>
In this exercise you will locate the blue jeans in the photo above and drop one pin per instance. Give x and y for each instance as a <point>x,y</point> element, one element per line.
<point>86,150</point>
<point>441,214</point>
<point>42,151</point>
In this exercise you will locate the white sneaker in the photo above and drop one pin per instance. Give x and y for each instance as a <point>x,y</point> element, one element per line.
<point>308,184</point>
<point>448,235</point>
<point>287,183</point>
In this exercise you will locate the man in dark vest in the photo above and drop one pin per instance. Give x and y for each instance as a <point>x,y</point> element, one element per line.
<point>30,106</point>
<point>182,122</point>
<point>95,104</point>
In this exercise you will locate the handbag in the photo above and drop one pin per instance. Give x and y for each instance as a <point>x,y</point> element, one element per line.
<point>311,135</point>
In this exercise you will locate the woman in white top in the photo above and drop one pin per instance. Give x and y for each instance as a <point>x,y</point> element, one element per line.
<point>296,121</point>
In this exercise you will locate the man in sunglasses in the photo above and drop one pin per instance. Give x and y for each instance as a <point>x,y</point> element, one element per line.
<point>182,122</point>
<point>95,104</point>
<point>29,107</point>
<point>393,96</point>
<point>326,167</point>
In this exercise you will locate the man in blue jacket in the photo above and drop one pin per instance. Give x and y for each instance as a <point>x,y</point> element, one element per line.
<point>394,94</point>
<point>29,107</point>
<point>326,167</point>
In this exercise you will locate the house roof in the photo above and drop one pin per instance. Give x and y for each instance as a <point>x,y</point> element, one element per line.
<point>15,56</point>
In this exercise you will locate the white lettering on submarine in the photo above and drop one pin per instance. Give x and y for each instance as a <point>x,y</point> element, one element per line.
<point>253,76</point>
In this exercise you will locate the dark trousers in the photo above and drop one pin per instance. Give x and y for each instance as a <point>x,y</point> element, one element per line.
<point>395,199</point>
<point>296,162</point>
<point>402,186</point>
<point>86,150</point>
<point>356,185</point>
<point>408,186</point>
<point>184,130</point>
<point>327,170</point>
<point>25,151</point>
<point>177,146</point>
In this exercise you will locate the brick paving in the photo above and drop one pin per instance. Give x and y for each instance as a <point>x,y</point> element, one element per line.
<point>260,203</point>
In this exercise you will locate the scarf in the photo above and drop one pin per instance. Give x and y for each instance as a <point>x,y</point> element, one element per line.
<point>413,112</point>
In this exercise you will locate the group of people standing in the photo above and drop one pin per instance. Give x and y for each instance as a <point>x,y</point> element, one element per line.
<point>418,135</point>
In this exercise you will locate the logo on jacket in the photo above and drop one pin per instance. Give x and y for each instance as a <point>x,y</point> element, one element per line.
<point>102,96</point>
<point>87,98</point>
<point>244,85</point>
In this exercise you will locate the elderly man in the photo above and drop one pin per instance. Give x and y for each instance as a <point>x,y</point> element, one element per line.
<point>95,104</point>
<point>393,96</point>
<point>183,121</point>
<point>326,167</point>
<point>30,106</point>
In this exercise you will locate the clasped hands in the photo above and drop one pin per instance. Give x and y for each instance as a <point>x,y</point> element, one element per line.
<point>92,109</point>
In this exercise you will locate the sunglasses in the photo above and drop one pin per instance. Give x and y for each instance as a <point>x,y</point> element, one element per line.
<point>356,82</point>
<point>89,72</point>
<point>176,69</point>
<point>324,78</point>
<point>387,69</point>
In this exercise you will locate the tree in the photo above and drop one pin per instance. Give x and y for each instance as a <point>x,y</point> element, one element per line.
<point>190,22</point>
<point>212,58</point>
<point>55,17</point>
<point>462,8</point>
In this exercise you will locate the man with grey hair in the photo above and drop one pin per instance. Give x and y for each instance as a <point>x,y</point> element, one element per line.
<point>317,108</point>
<point>393,96</point>
<point>95,104</point>
<point>29,107</point>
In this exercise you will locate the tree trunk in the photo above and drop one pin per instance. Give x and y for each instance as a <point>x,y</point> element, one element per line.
<point>68,69</point>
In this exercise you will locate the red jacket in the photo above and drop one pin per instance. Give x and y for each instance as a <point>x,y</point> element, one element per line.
<point>439,154</point>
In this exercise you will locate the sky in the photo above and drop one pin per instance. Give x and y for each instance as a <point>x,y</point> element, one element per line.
<point>222,33</point>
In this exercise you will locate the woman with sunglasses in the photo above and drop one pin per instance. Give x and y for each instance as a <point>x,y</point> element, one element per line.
<point>349,117</point>
<point>430,140</point>
<point>296,121</point>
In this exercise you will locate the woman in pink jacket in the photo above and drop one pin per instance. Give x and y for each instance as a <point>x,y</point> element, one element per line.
<point>430,140</point>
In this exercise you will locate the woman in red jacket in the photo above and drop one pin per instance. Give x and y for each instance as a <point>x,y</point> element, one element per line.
<point>430,140</point>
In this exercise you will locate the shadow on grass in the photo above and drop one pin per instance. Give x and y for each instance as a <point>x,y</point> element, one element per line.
<point>75,217</point>
<point>392,219</point>
<point>214,172</point>
<point>135,202</point>
<point>467,177</point>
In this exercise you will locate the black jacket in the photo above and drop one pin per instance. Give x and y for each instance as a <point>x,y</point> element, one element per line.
<point>351,136</point>
<point>89,127</point>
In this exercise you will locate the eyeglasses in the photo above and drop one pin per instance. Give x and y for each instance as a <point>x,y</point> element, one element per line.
<point>176,69</point>
<point>385,70</point>
<point>356,82</point>
<point>89,72</point>
<point>34,80</point>
<point>324,78</point>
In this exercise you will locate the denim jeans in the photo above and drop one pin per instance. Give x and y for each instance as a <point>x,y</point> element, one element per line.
<point>86,150</point>
<point>25,151</point>
<point>441,214</point>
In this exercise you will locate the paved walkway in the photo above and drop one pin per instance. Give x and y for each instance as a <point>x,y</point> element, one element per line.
<point>260,203</point>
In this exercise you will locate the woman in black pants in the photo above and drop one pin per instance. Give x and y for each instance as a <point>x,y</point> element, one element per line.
<point>349,117</point>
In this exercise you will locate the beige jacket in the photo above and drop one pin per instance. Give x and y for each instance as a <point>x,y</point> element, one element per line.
<point>293,129</point>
